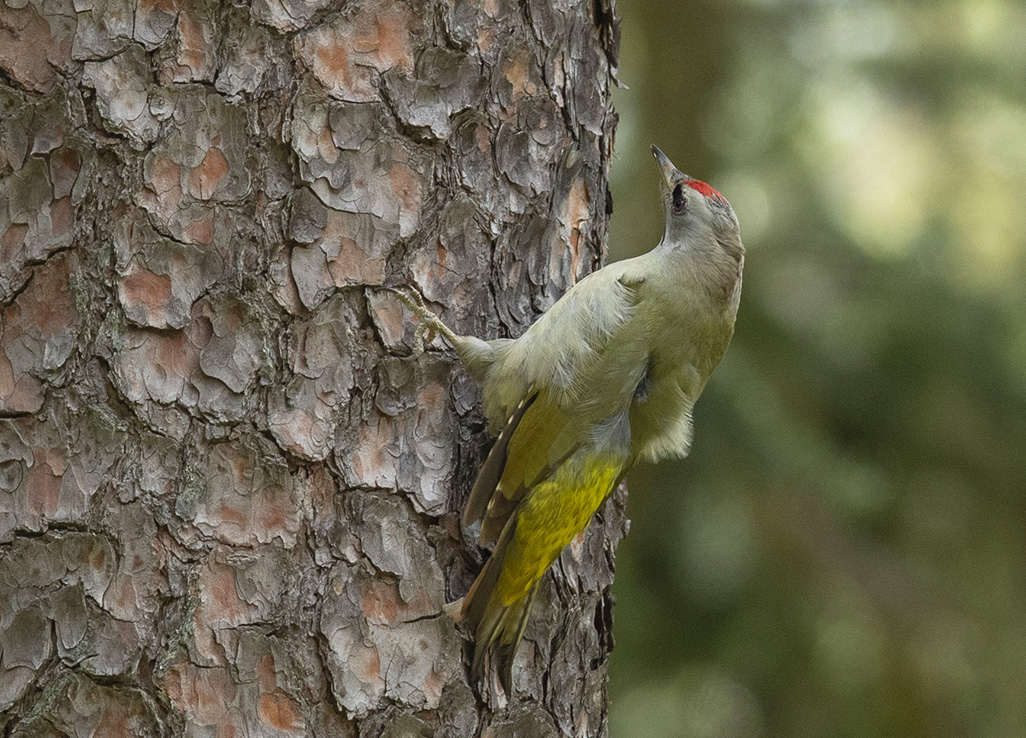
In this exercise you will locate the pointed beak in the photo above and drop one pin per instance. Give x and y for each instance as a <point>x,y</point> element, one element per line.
<point>670,172</point>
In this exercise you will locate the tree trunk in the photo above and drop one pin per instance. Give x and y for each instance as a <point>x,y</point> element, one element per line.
<point>228,497</point>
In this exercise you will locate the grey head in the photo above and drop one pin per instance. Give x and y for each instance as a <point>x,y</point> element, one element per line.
<point>697,217</point>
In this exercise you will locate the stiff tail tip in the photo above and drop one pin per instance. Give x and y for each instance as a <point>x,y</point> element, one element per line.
<point>497,632</point>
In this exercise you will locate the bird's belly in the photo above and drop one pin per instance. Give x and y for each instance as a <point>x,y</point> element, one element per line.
<point>661,421</point>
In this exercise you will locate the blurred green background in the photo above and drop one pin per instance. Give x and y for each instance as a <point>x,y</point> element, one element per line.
<point>844,551</point>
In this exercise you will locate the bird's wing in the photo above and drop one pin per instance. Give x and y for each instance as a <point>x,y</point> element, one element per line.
<point>564,349</point>
<point>544,436</point>
<point>490,473</point>
<point>551,419</point>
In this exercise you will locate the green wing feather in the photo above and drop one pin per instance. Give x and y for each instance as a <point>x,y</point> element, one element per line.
<point>490,474</point>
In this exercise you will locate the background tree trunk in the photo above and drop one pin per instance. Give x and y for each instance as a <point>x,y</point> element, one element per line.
<point>228,502</point>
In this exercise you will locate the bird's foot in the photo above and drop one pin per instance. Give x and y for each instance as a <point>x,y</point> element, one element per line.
<point>430,324</point>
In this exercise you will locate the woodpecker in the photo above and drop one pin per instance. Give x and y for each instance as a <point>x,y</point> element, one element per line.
<point>606,377</point>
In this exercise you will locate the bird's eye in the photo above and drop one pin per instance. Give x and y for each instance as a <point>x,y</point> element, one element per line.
<point>679,203</point>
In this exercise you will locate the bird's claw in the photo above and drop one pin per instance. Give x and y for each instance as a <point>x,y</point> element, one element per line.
<point>430,324</point>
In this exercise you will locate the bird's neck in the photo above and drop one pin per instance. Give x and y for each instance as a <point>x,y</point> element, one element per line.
<point>713,269</point>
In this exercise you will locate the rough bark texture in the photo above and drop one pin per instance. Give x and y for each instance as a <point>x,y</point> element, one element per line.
<point>228,498</point>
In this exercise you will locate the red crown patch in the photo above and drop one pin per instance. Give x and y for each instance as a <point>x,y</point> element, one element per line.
<point>705,189</point>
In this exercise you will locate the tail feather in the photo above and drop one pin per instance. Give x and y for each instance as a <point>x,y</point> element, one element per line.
<point>497,628</point>
<point>557,509</point>
<point>508,633</point>
<point>497,638</point>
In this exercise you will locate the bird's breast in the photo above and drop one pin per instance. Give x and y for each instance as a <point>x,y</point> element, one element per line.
<point>661,416</point>
<point>682,355</point>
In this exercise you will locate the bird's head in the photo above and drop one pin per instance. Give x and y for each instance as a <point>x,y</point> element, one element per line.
<point>698,218</point>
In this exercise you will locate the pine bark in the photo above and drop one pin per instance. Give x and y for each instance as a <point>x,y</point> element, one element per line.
<point>228,496</point>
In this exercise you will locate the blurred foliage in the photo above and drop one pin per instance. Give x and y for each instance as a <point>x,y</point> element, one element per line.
<point>844,551</point>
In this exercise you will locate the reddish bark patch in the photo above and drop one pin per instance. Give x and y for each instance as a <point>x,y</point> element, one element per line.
<point>27,48</point>
<point>380,603</point>
<point>204,694</point>
<point>434,683</point>
<point>175,354</point>
<point>203,179</point>
<point>195,54</point>
<point>348,56</point>
<point>143,289</point>
<point>388,316</point>
<point>374,459</point>
<point>118,719</point>
<point>354,248</point>
<point>200,230</point>
<point>44,485</point>
<point>6,377</point>
<point>224,600</point>
<point>333,60</point>
<point>167,6</point>
<point>354,266</point>
<point>485,39</point>
<point>517,73</point>
<point>275,515</point>
<point>298,431</point>
<point>432,396</point>
<point>156,366</point>
<point>266,674</point>
<point>245,502</point>
<point>50,310</point>
<point>221,607</point>
<point>65,165</point>
<point>366,664</point>
<point>576,213</point>
<point>389,39</point>
<point>405,185</point>
<point>13,241</point>
<point>62,217</point>
<point>21,394</point>
<point>281,711</point>
<point>37,331</point>
<point>166,182</point>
